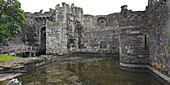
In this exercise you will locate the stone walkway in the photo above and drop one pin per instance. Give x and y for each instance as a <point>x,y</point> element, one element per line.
<point>12,68</point>
<point>23,62</point>
<point>17,62</point>
<point>14,64</point>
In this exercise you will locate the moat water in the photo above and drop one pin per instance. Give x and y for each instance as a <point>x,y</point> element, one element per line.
<point>85,71</point>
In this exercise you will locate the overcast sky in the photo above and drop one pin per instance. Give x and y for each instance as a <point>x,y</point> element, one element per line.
<point>94,7</point>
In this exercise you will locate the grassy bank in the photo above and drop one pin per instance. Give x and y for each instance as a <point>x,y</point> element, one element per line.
<point>6,57</point>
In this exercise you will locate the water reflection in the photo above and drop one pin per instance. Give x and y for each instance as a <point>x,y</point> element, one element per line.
<point>85,71</point>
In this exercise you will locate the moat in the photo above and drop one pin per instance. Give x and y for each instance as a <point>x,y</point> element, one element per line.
<point>79,70</point>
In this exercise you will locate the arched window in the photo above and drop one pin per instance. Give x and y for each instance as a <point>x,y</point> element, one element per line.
<point>102,21</point>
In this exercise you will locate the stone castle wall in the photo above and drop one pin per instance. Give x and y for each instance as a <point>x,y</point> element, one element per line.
<point>65,29</point>
<point>71,18</point>
<point>140,37</point>
<point>61,34</point>
<point>56,41</point>
<point>32,34</point>
<point>133,37</point>
<point>100,33</point>
<point>158,30</point>
<point>144,38</point>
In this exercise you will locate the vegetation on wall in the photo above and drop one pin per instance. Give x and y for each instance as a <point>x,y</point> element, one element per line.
<point>11,18</point>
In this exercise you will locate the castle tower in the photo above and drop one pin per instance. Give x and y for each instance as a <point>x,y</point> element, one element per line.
<point>133,39</point>
<point>145,38</point>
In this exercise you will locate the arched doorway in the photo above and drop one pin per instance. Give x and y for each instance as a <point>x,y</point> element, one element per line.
<point>43,36</point>
<point>79,31</point>
<point>43,39</point>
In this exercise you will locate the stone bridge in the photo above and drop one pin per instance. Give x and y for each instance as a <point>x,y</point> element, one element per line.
<point>14,51</point>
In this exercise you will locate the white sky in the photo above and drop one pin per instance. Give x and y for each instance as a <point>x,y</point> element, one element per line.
<point>93,7</point>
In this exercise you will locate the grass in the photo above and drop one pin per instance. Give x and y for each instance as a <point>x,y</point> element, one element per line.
<point>6,57</point>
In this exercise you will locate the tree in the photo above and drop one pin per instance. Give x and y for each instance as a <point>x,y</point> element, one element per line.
<point>11,18</point>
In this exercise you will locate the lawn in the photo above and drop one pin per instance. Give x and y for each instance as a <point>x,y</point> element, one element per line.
<point>6,57</point>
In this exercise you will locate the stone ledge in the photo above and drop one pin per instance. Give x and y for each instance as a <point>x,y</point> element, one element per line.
<point>13,72</point>
<point>163,76</point>
<point>159,74</point>
<point>130,27</point>
<point>134,65</point>
<point>21,66</point>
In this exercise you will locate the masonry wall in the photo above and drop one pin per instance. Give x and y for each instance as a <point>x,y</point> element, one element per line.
<point>142,38</point>
<point>31,34</point>
<point>65,29</point>
<point>168,34</point>
<point>133,37</point>
<point>74,28</point>
<point>100,33</point>
<point>56,41</point>
<point>159,34</point>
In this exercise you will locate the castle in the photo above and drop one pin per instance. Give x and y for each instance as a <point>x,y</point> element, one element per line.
<point>141,38</point>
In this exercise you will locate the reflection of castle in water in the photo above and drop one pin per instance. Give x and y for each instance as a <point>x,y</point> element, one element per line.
<point>86,71</point>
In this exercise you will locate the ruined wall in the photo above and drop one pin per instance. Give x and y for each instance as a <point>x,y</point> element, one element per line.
<point>32,33</point>
<point>100,33</point>
<point>56,41</point>
<point>65,29</point>
<point>142,38</point>
<point>74,28</point>
<point>159,34</point>
<point>15,41</point>
<point>133,37</point>
<point>63,33</point>
<point>57,31</point>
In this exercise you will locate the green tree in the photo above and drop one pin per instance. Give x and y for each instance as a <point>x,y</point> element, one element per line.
<point>11,18</point>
